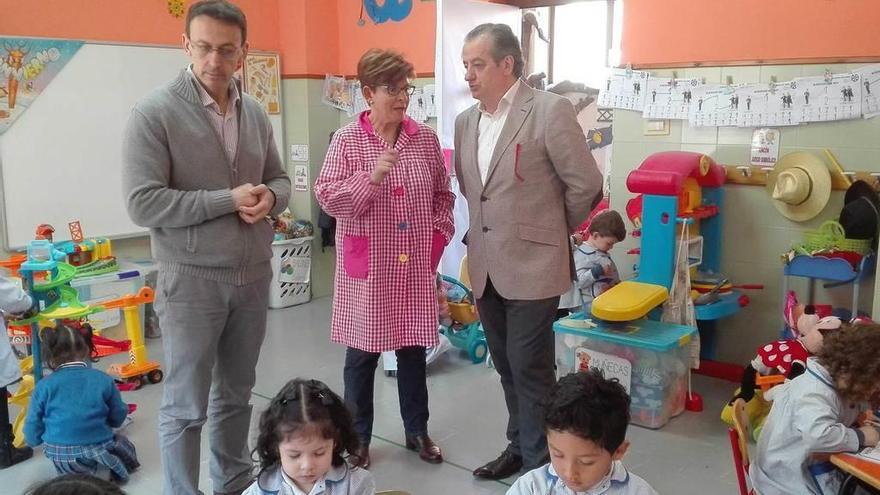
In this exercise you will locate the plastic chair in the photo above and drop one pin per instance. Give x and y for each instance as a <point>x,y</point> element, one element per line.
<point>739,435</point>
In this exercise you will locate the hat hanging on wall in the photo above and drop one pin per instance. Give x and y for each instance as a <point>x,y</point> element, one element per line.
<point>800,186</point>
<point>860,215</point>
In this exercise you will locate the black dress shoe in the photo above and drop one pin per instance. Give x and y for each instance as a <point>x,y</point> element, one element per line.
<point>507,464</point>
<point>361,457</point>
<point>428,450</point>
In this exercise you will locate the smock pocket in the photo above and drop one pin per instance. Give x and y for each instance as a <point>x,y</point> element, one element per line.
<point>356,255</point>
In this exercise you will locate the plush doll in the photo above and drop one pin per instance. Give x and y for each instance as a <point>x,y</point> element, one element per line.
<point>788,357</point>
<point>783,357</point>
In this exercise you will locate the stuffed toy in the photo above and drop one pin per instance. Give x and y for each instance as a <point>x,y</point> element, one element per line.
<point>788,357</point>
<point>782,357</point>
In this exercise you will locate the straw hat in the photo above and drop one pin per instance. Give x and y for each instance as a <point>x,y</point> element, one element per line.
<point>800,185</point>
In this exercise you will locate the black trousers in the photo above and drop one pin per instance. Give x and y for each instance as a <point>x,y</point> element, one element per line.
<point>412,389</point>
<point>4,407</point>
<point>520,338</point>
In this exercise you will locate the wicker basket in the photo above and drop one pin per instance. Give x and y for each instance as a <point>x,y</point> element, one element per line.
<point>831,235</point>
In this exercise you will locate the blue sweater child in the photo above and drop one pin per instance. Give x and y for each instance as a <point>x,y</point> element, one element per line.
<point>73,412</point>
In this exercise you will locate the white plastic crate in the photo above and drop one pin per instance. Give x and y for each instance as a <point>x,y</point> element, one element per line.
<point>291,272</point>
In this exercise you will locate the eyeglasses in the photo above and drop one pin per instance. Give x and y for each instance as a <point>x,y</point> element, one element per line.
<point>227,52</point>
<point>394,91</point>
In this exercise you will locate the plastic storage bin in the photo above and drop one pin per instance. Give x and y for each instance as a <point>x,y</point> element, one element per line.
<point>649,358</point>
<point>100,288</point>
<point>291,272</point>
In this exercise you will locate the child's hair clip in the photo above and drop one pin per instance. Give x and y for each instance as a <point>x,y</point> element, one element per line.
<point>320,391</point>
<point>316,390</point>
<point>293,397</point>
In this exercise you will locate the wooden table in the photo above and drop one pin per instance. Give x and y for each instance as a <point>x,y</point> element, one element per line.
<point>862,469</point>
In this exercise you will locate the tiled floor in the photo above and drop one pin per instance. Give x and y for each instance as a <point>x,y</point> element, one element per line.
<point>690,455</point>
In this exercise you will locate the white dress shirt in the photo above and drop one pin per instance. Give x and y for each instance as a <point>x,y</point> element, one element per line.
<point>491,125</point>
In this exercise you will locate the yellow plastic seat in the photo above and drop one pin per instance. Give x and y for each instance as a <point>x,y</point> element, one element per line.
<point>628,300</point>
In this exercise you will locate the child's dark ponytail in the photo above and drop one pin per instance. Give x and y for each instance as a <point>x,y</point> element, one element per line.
<point>64,344</point>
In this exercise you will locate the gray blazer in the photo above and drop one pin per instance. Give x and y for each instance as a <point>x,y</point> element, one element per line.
<point>542,184</point>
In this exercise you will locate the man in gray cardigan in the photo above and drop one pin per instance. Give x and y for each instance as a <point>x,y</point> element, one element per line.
<point>201,170</point>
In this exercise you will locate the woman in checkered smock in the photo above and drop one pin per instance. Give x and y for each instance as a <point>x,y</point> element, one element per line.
<point>385,182</point>
<point>73,412</point>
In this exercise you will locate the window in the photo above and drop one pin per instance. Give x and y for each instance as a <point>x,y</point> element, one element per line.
<point>584,41</point>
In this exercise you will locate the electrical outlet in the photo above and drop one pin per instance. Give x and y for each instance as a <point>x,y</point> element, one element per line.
<point>656,127</point>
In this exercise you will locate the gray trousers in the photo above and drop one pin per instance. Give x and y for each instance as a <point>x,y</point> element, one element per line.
<point>520,338</point>
<point>211,334</point>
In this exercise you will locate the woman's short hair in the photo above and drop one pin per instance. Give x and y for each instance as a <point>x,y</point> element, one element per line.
<point>379,67</point>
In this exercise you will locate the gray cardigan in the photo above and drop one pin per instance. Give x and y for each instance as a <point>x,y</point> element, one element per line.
<point>177,181</point>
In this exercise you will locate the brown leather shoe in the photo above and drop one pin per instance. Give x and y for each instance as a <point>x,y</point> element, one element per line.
<point>428,450</point>
<point>361,457</point>
<point>505,465</point>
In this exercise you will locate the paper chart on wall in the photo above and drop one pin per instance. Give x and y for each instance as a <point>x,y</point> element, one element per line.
<point>667,98</point>
<point>832,97</point>
<point>624,89</point>
<point>713,106</point>
<point>766,104</point>
<point>337,92</point>
<point>359,103</point>
<point>430,105</point>
<point>417,109</point>
<point>870,76</point>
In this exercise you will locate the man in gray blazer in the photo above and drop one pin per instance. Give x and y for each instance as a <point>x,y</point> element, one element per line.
<point>523,166</point>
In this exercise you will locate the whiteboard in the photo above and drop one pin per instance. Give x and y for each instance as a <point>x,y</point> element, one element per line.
<point>61,160</point>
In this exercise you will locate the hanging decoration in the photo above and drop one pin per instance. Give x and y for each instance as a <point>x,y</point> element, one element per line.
<point>176,8</point>
<point>394,10</point>
<point>26,68</point>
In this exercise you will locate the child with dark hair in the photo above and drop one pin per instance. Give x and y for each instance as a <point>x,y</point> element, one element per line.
<point>585,418</point>
<point>76,484</point>
<point>816,413</point>
<point>304,438</point>
<point>594,268</point>
<point>74,410</point>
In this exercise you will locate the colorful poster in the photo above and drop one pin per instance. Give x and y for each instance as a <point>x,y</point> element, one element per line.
<point>27,66</point>
<point>262,80</point>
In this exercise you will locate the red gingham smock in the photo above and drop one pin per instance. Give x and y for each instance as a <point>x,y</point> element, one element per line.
<point>386,235</point>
